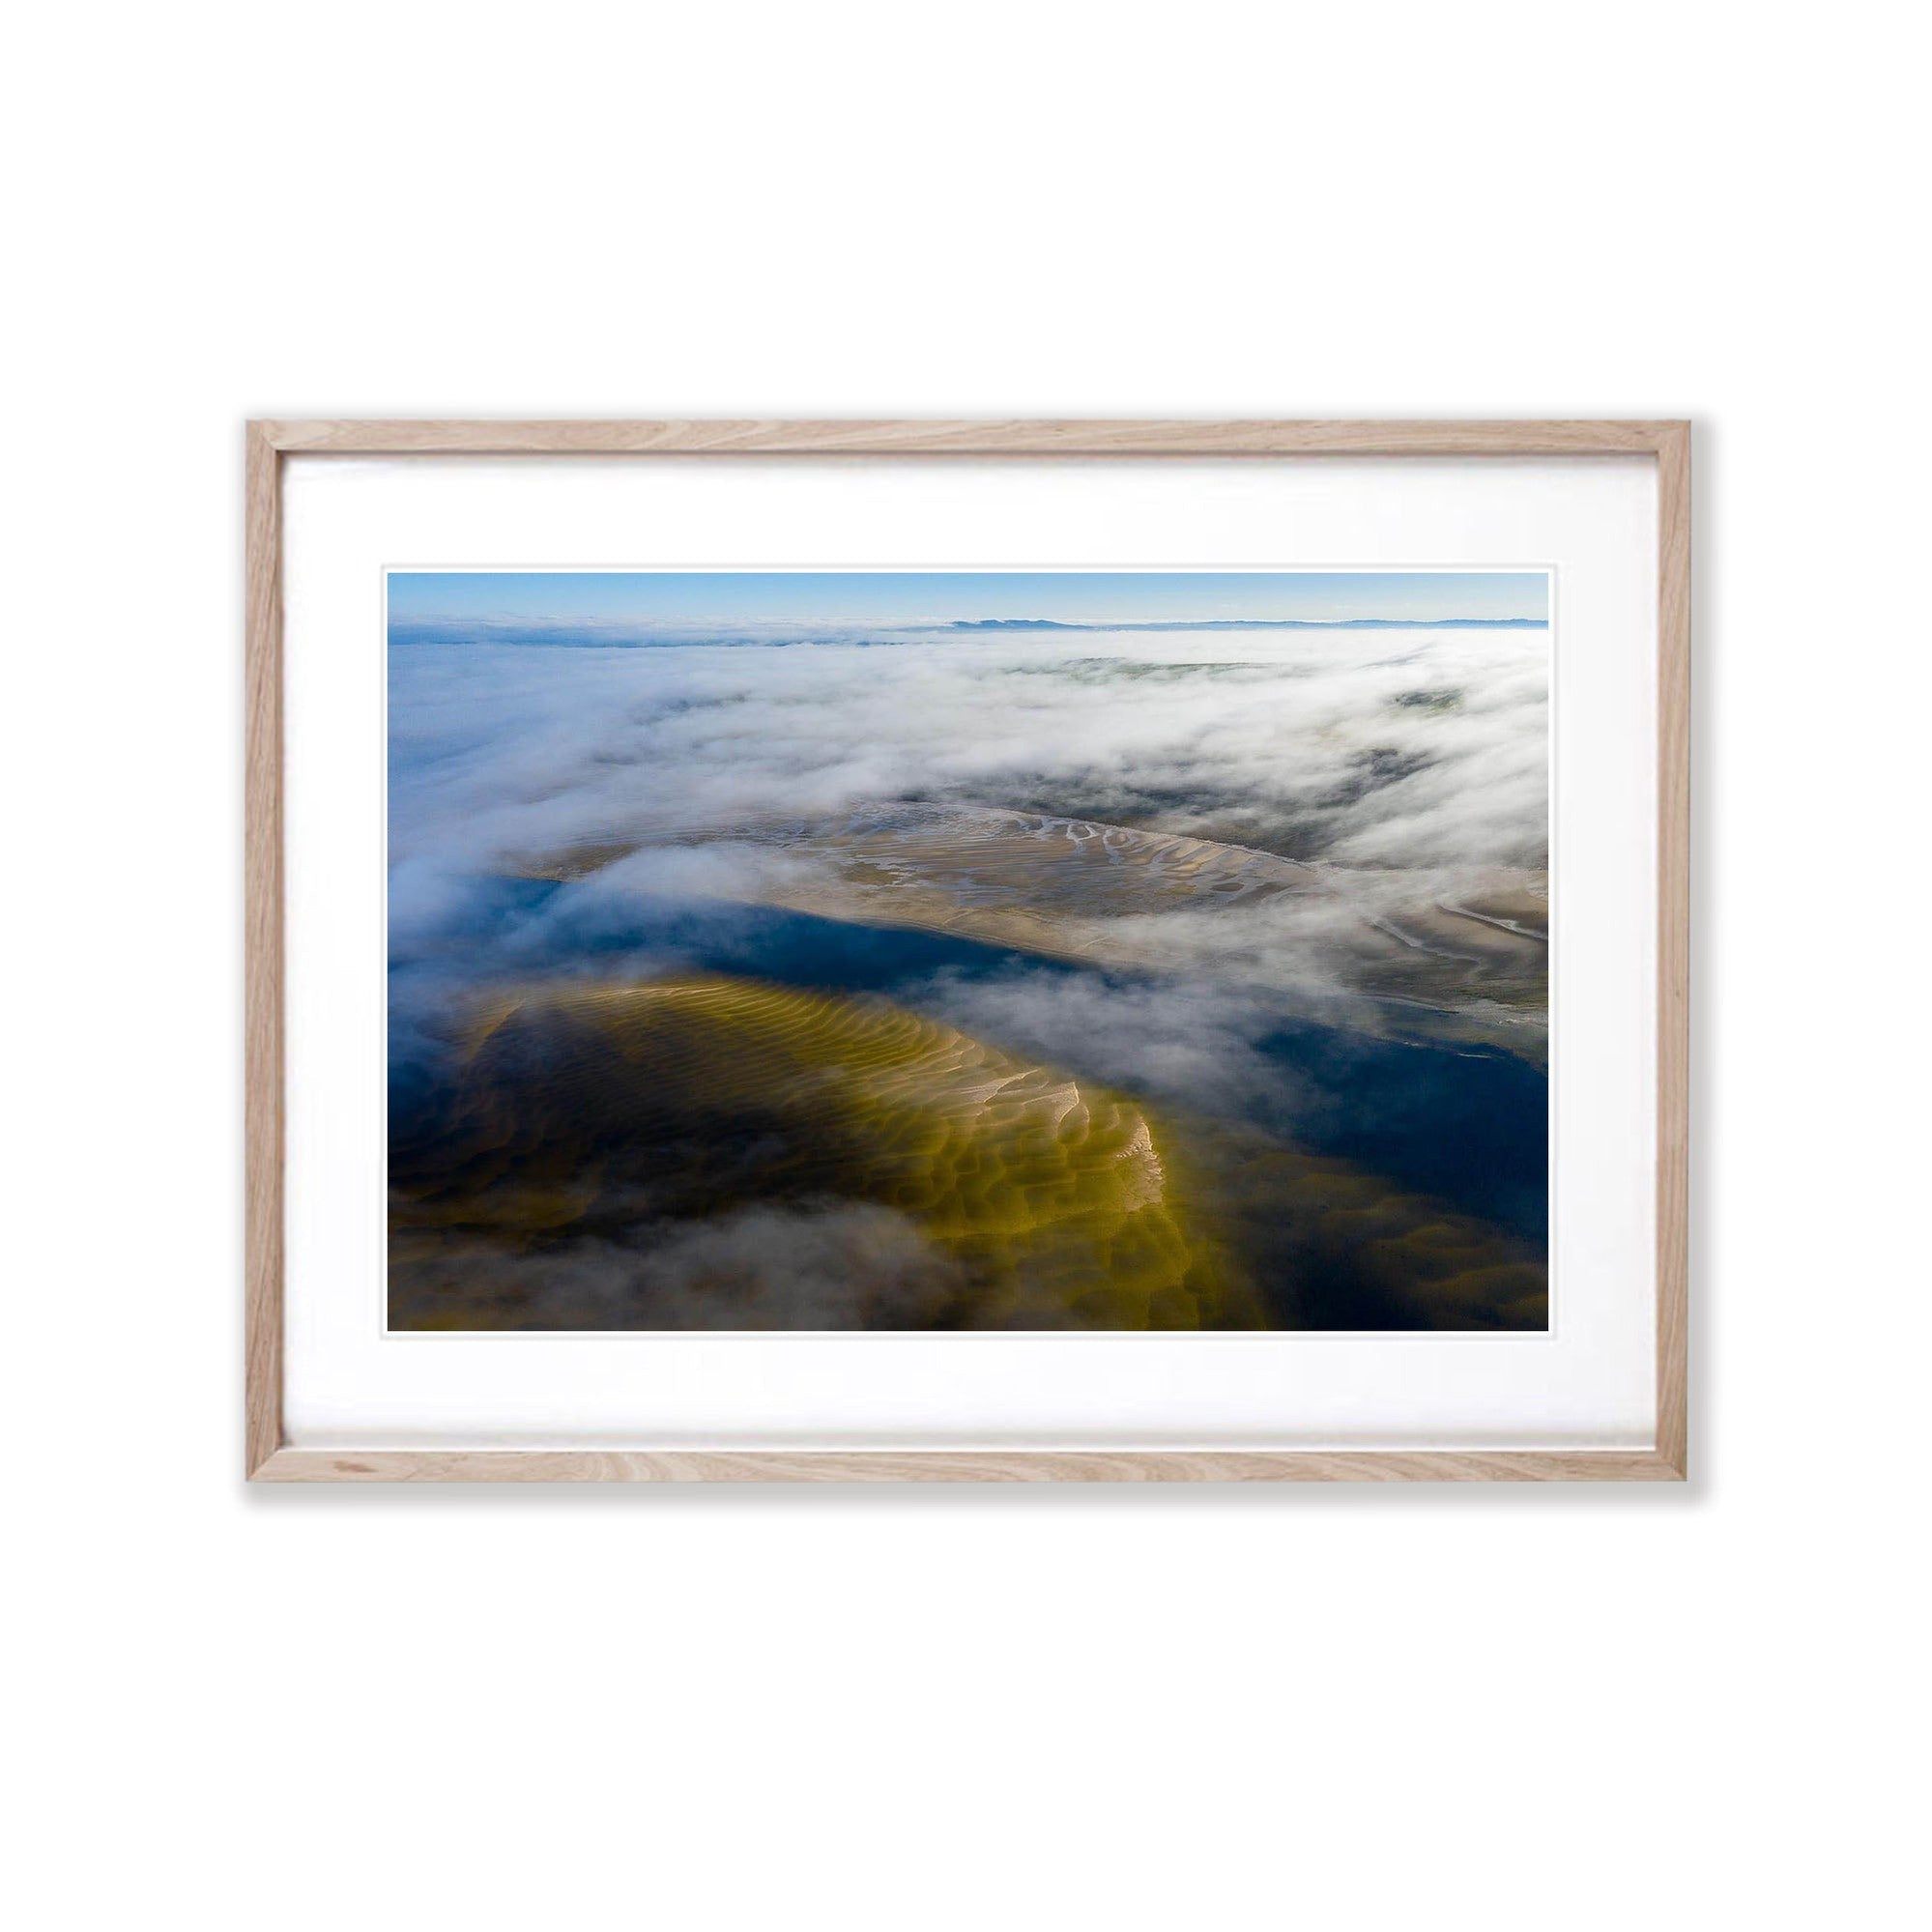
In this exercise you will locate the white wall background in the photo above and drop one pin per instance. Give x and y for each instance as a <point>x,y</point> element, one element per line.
<point>959,1710</point>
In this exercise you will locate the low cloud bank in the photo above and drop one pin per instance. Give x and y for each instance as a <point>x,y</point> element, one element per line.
<point>1387,748</point>
<point>836,1265</point>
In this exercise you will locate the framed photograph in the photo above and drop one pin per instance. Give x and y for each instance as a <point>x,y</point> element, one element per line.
<point>968,951</point>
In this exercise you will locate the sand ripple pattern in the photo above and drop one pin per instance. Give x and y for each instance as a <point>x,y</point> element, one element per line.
<point>1117,896</point>
<point>619,1111</point>
<point>990,858</point>
<point>595,1160</point>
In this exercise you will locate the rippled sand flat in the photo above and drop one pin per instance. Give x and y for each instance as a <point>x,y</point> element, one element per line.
<point>1470,949</point>
<point>705,1151</point>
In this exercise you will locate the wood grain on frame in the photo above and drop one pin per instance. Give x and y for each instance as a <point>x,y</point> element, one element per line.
<point>1074,438</point>
<point>962,1465</point>
<point>1673,944</point>
<point>263,868</point>
<point>270,1459</point>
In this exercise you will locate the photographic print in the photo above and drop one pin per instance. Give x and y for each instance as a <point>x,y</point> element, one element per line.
<point>968,950</point>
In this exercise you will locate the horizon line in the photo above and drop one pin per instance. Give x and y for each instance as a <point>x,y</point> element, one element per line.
<point>621,630</point>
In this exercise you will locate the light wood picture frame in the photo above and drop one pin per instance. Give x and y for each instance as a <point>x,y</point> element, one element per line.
<point>268,1456</point>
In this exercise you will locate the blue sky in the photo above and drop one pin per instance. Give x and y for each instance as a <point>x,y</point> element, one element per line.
<point>942,596</point>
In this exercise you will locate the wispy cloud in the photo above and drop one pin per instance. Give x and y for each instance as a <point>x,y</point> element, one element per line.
<point>1380,748</point>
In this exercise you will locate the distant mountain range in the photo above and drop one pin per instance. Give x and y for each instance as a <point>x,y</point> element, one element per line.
<point>1257,623</point>
<point>618,632</point>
